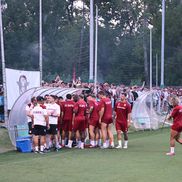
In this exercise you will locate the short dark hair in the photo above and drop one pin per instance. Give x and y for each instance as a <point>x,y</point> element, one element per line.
<point>81,96</point>
<point>53,96</point>
<point>75,98</point>
<point>68,96</point>
<point>124,93</point>
<point>33,99</point>
<point>40,98</point>
<point>60,97</point>
<point>101,93</point>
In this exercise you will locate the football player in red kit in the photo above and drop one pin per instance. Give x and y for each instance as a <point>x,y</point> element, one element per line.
<point>67,115</point>
<point>105,119</point>
<point>176,128</point>
<point>93,120</point>
<point>60,122</point>
<point>78,121</point>
<point>123,120</point>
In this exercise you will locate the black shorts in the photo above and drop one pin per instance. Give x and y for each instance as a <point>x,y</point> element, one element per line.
<point>53,130</point>
<point>39,130</point>
<point>30,130</point>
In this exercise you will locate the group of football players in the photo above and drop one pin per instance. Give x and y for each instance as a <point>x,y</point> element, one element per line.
<point>55,123</point>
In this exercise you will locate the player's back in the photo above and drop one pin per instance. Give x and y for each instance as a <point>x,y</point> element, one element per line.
<point>68,109</point>
<point>106,102</point>
<point>39,115</point>
<point>80,108</point>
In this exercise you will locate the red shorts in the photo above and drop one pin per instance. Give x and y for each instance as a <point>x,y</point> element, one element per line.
<point>121,126</point>
<point>177,127</point>
<point>94,122</point>
<point>67,125</point>
<point>107,121</point>
<point>79,124</point>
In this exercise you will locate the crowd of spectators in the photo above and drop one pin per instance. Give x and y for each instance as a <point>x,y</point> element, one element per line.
<point>160,96</point>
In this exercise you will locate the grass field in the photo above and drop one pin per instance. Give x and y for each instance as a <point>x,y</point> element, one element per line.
<point>143,161</point>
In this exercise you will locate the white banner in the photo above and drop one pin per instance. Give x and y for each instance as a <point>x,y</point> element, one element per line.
<point>18,81</point>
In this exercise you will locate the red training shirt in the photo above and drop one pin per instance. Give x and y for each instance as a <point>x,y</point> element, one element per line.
<point>67,109</point>
<point>122,110</point>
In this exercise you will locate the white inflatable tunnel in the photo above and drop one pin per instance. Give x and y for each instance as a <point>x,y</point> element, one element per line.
<point>144,114</point>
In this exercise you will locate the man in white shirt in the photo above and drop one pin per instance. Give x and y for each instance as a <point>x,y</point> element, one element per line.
<point>40,121</point>
<point>53,110</point>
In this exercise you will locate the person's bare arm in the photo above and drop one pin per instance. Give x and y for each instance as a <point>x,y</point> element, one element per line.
<point>129,119</point>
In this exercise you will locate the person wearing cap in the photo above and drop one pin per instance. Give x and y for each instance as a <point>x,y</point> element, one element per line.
<point>123,120</point>
<point>53,110</point>
<point>40,122</point>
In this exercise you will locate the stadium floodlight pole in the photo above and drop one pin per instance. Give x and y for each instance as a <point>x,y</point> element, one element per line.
<point>3,69</point>
<point>40,40</point>
<point>150,28</point>
<point>96,48</point>
<point>162,44</point>
<point>91,40</point>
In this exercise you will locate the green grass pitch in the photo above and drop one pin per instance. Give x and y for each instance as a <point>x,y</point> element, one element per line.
<point>143,161</point>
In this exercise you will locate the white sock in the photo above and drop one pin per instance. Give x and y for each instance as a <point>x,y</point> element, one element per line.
<point>62,142</point>
<point>96,142</point>
<point>41,148</point>
<point>107,143</point>
<point>104,145</point>
<point>36,148</point>
<point>126,143</point>
<point>57,145</point>
<point>81,145</point>
<point>119,142</point>
<point>50,144</point>
<point>70,143</point>
<point>112,144</point>
<point>92,142</point>
<point>172,149</point>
